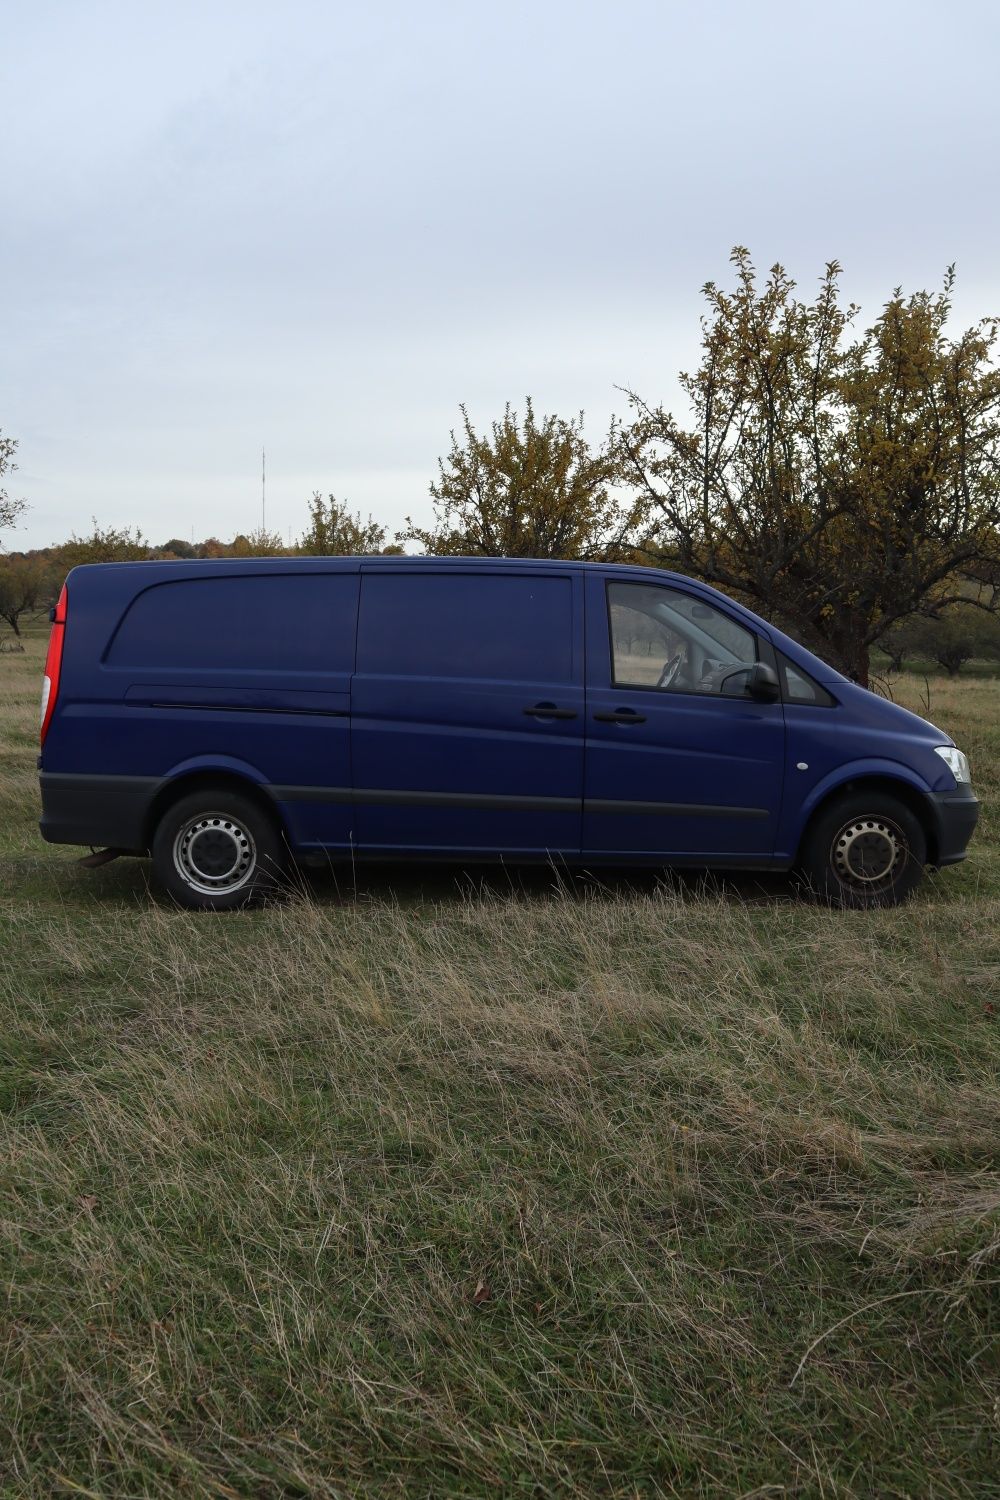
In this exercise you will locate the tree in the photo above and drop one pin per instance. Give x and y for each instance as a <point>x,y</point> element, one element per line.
<point>837,485</point>
<point>212,548</point>
<point>957,638</point>
<point>9,509</point>
<point>25,584</point>
<point>531,489</point>
<point>959,634</point>
<point>334,532</point>
<point>900,641</point>
<point>112,544</point>
<point>259,543</point>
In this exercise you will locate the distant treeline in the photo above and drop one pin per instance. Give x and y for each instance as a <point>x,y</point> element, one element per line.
<point>30,581</point>
<point>841,481</point>
<point>960,632</point>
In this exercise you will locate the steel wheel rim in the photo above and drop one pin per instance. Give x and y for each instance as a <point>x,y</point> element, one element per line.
<point>868,853</point>
<point>214,854</point>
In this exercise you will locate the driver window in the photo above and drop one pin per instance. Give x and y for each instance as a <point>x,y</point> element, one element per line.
<point>662,638</point>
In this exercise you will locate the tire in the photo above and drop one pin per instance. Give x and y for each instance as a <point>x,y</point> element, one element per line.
<point>865,849</point>
<point>218,850</point>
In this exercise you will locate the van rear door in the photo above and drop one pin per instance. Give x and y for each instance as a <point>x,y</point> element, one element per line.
<point>467,710</point>
<point>233,668</point>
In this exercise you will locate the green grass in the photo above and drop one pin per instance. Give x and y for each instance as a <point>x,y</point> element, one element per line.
<point>473,1186</point>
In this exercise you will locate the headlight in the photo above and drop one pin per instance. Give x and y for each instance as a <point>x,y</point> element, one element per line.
<point>956,762</point>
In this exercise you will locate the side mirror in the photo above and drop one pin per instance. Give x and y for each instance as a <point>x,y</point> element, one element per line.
<point>763,684</point>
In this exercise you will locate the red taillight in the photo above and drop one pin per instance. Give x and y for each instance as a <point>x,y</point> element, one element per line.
<point>53,662</point>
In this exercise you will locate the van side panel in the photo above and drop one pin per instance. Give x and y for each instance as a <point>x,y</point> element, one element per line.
<point>468,712</point>
<point>241,672</point>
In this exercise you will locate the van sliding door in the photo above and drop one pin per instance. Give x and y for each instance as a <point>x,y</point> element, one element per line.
<point>467,711</point>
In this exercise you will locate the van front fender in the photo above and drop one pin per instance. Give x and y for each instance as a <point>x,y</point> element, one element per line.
<point>871,768</point>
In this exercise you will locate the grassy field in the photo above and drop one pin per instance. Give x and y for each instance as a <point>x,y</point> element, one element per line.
<point>464,1186</point>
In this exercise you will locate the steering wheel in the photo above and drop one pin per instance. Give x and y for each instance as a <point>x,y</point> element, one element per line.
<point>669,674</point>
<point>714,680</point>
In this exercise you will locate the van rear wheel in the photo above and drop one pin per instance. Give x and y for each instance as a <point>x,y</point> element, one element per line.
<point>865,849</point>
<point>217,850</point>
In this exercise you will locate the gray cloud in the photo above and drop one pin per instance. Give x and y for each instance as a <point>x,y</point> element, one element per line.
<point>322,226</point>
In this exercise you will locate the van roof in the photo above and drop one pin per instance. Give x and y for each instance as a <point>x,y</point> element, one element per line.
<point>161,570</point>
<point>166,567</point>
<point>393,559</point>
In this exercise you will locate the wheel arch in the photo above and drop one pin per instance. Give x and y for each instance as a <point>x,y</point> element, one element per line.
<point>875,781</point>
<point>191,780</point>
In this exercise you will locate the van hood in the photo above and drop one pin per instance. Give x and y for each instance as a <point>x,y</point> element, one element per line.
<point>872,708</point>
<point>881,713</point>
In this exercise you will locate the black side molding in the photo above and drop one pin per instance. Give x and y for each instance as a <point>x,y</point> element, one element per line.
<point>112,811</point>
<point>672,809</point>
<point>395,797</point>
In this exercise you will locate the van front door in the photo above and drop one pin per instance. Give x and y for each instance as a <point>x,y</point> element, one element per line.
<point>680,763</point>
<point>467,711</point>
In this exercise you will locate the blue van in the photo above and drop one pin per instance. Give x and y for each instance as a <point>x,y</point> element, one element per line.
<point>228,717</point>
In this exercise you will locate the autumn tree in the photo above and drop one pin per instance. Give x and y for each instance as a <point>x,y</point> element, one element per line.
<point>104,544</point>
<point>837,483</point>
<point>531,488</point>
<point>334,531</point>
<point>25,585</point>
<point>257,543</point>
<point>10,508</point>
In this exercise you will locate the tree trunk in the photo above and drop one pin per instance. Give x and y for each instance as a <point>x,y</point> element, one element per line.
<point>848,644</point>
<point>851,657</point>
<point>841,642</point>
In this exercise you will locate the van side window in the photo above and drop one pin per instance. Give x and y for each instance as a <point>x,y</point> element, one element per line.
<point>506,627</point>
<point>798,687</point>
<point>262,622</point>
<point>665,639</point>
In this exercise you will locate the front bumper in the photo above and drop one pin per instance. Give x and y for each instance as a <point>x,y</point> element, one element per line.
<point>954,816</point>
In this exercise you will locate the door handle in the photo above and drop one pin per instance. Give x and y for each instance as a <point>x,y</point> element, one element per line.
<point>549,711</point>
<point>621,716</point>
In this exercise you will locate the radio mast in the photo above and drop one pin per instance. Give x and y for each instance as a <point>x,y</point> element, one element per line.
<point>263,502</point>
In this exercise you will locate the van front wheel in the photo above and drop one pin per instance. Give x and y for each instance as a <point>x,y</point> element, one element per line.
<point>865,849</point>
<point>215,850</point>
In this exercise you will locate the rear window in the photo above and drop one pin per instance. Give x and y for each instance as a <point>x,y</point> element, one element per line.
<point>504,627</point>
<point>283,622</point>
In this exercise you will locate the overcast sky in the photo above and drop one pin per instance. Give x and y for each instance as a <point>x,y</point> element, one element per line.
<point>319,227</point>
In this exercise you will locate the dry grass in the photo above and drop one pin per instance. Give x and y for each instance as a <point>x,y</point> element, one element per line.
<point>466,1187</point>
